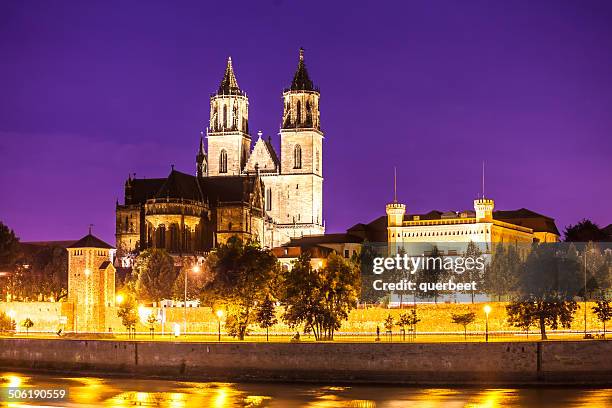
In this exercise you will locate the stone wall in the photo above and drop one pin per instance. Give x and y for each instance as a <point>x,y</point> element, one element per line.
<point>585,362</point>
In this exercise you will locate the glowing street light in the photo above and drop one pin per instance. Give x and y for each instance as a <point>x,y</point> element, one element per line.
<point>195,269</point>
<point>487,310</point>
<point>219,316</point>
<point>119,299</point>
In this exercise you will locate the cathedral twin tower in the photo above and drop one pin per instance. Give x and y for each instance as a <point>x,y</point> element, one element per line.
<point>236,191</point>
<point>294,182</point>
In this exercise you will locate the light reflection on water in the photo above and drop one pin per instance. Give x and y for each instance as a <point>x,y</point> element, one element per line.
<point>126,392</point>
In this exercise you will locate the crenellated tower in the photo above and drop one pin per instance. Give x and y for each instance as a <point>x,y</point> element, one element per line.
<point>228,136</point>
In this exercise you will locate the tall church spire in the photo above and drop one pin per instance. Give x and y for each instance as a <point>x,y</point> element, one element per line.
<point>229,84</point>
<point>301,80</point>
<point>201,159</point>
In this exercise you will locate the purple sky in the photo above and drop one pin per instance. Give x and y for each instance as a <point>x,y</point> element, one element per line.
<point>90,93</point>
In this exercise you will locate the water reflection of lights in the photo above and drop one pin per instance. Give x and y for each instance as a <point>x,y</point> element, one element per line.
<point>254,401</point>
<point>493,398</point>
<point>220,397</point>
<point>14,380</point>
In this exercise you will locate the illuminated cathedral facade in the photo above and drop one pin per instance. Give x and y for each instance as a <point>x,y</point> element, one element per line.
<point>239,187</point>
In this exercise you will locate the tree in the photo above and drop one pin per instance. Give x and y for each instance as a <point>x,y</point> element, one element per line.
<point>365,260</point>
<point>388,325</point>
<point>196,281</point>
<point>603,310</point>
<point>553,312</point>
<point>520,315</point>
<point>127,312</point>
<point>27,324</point>
<point>502,274</point>
<point>154,275</point>
<point>585,231</point>
<point>48,273</point>
<point>473,274</point>
<point>409,319</point>
<point>152,321</point>
<point>546,291</point>
<point>9,247</point>
<point>464,319</point>
<point>244,274</point>
<point>320,299</point>
<point>265,314</point>
<point>433,272</point>
<point>6,322</point>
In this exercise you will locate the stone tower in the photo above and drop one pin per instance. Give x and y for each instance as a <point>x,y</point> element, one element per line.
<point>299,204</point>
<point>228,136</point>
<point>91,283</point>
<point>484,209</point>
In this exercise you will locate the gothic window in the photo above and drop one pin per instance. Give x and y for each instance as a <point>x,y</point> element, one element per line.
<point>223,162</point>
<point>224,117</point>
<point>317,160</point>
<point>297,157</point>
<point>299,113</point>
<point>269,199</point>
<point>308,113</point>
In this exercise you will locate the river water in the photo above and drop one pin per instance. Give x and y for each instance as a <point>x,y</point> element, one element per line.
<point>125,392</point>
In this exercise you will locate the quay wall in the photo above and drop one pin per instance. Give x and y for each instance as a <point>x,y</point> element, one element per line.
<point>560,362</point>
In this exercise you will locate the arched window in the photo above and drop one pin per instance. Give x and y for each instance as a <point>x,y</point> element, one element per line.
<point>223,162</point>
<point>269,199</point>
<point>317,160</point>
<point>297,157</point>
<point>308,113</point>
<point>299,112</point>
<point>224,117</point>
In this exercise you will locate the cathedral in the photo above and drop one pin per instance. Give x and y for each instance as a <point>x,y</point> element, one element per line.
<point>238,188</point>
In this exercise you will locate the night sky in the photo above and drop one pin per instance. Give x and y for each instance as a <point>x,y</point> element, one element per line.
<point>90,92</point>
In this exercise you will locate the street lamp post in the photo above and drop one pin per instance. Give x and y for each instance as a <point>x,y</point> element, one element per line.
<point>219,315</point>
<point>487,310</point>
<point>195,269</point>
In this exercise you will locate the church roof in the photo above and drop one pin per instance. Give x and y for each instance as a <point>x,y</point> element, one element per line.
<point>90,241</point>
<point>143,189</point>
<point>301,79</point>
<point>180,185</point>
<point>229,84</point>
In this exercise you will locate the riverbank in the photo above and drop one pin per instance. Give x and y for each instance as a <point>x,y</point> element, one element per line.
<point>585,363</point>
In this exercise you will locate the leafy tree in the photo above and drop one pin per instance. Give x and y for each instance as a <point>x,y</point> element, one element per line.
<point>546,291</point>
<point>464,319</point>
<point>265,314</point>
<point>244,274</point>
<point>48,273</point>
<point>27,324</point>
<point>9,247</point>
<point>472,275</point>
<point>433,272</point>
<point>520,315</point>
<point>365,260</point>
<point>154,275</point>
<point>553,312</point>
<point>127,312</point>
<point>585,231</point>
<point>6,323</point>
<point>502,274</point>
<point>320,299</point>
<point>388,324</point>
<point>409,319</point>
<point>603,310</point>
<point>196,281</point>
